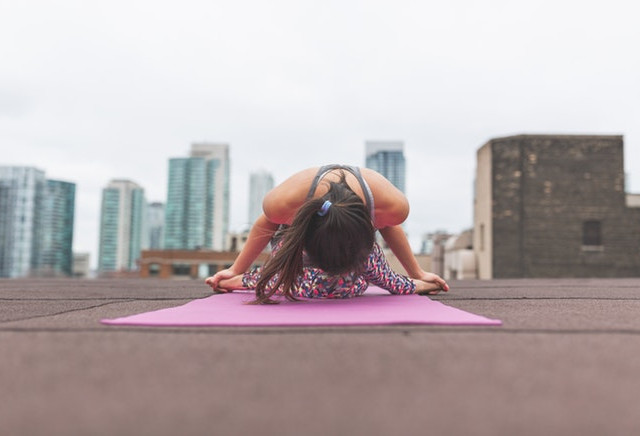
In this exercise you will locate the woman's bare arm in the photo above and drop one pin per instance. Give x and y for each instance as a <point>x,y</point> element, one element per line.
<point>399,245</point>
<point>259,236</point>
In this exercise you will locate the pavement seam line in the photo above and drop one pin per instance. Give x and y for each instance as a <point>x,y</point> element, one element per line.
<point>535,298</point>
<point>101,299</point>
<point>431,297</point>
<point>95,306</point>
<point>277,331</point>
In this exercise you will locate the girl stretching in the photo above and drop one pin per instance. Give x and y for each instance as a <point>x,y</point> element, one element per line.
<point>322,224</point>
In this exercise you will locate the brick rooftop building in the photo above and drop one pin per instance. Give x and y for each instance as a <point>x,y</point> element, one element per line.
<point>554,206</point>
<point>195,264</point>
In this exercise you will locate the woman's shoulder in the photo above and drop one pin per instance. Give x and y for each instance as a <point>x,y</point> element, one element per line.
<point>391,205</point>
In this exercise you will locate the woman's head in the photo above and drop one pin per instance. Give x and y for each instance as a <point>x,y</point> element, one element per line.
<point>336,232</point>
<point>339,234</point>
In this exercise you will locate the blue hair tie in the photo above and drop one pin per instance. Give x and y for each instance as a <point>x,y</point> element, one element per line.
<point>325,208</point>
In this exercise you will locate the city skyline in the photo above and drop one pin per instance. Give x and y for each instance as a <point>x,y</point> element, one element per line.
<point>104,91</point>
<point>370,147</point>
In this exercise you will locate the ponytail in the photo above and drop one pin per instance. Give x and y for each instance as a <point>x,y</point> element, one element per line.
<point>286,264</point>
<point>334,230</point>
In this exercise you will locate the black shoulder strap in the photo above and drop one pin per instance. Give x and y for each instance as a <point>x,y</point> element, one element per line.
<point>368,195</point>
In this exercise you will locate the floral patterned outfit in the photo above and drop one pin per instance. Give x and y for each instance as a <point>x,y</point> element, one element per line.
<point>315,283</point>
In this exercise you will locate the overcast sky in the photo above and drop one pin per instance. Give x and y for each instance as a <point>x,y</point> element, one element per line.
<point>96,90</point>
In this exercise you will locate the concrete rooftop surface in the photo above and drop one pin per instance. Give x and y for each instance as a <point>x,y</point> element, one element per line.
<point>565,362</point>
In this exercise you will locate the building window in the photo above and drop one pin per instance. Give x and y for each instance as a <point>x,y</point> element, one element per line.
<point>154,269</point>
<point>181,269</point>
<point>592,233</point>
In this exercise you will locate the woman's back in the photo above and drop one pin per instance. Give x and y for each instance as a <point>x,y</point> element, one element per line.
<point>281,204</point>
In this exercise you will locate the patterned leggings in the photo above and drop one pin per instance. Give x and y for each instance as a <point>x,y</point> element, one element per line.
<point>315,283</point>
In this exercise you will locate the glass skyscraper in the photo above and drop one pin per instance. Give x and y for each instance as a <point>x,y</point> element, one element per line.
<point>184,212</point>
<point>122,226</point>
<point>260,183</point>
<point>56,240</point>
<point>197,208</point>
<point>36,223</point>
<point>155,225</point>
<point>387,158</point>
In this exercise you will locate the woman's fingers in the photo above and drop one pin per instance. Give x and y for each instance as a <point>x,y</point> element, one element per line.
<point>214,281</point>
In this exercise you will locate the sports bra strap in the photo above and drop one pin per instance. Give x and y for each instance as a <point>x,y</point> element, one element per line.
<point>324,170</point>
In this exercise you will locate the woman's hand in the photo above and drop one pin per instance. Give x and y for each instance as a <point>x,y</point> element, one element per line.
<point>225,274</point>
<point>232,284</point>
<point>431,283</point>
<point>427,288</point>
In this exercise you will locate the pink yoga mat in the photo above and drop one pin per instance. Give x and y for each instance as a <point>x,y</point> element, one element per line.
<point>375,307</point>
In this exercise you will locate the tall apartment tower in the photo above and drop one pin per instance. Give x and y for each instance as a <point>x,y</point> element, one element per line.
<point>260,182</point>
<point>36,223</point>
<point>155,225</point>
<point>387,158</point>
<point>55,251</point>
<point>121,226</point>
<point>197,208</point>
<point>554,206</point>
<point>21,190</point>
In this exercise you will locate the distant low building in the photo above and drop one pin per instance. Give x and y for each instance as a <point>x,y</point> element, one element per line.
<point>194,264</point>
<point>433,244</point>
<point>459,258</point>
<point>554,206</point>
<point>633,200</point>
<point>199,264</point>
<point>81,265</point>
<point>424,260</point>
<point>236,241</point>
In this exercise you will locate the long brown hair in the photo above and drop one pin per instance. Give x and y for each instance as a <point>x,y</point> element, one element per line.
<point>337,242</point>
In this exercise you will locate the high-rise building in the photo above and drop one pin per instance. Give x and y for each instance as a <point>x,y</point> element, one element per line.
<point>55,251</point>
<point>197,208</point>
<point>155,225</point>
<point>387,158</point>
<point>121,226</point>
<point>21,191</point>
<point>36,223</point>
<point>260,182</point>
<point>184,212</point>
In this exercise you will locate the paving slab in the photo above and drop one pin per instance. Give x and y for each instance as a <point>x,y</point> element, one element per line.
<point>564,363</point>
<point>20,310</point>
<point>565,314</point>
<point>545,288</point>
<point>73,289</point>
